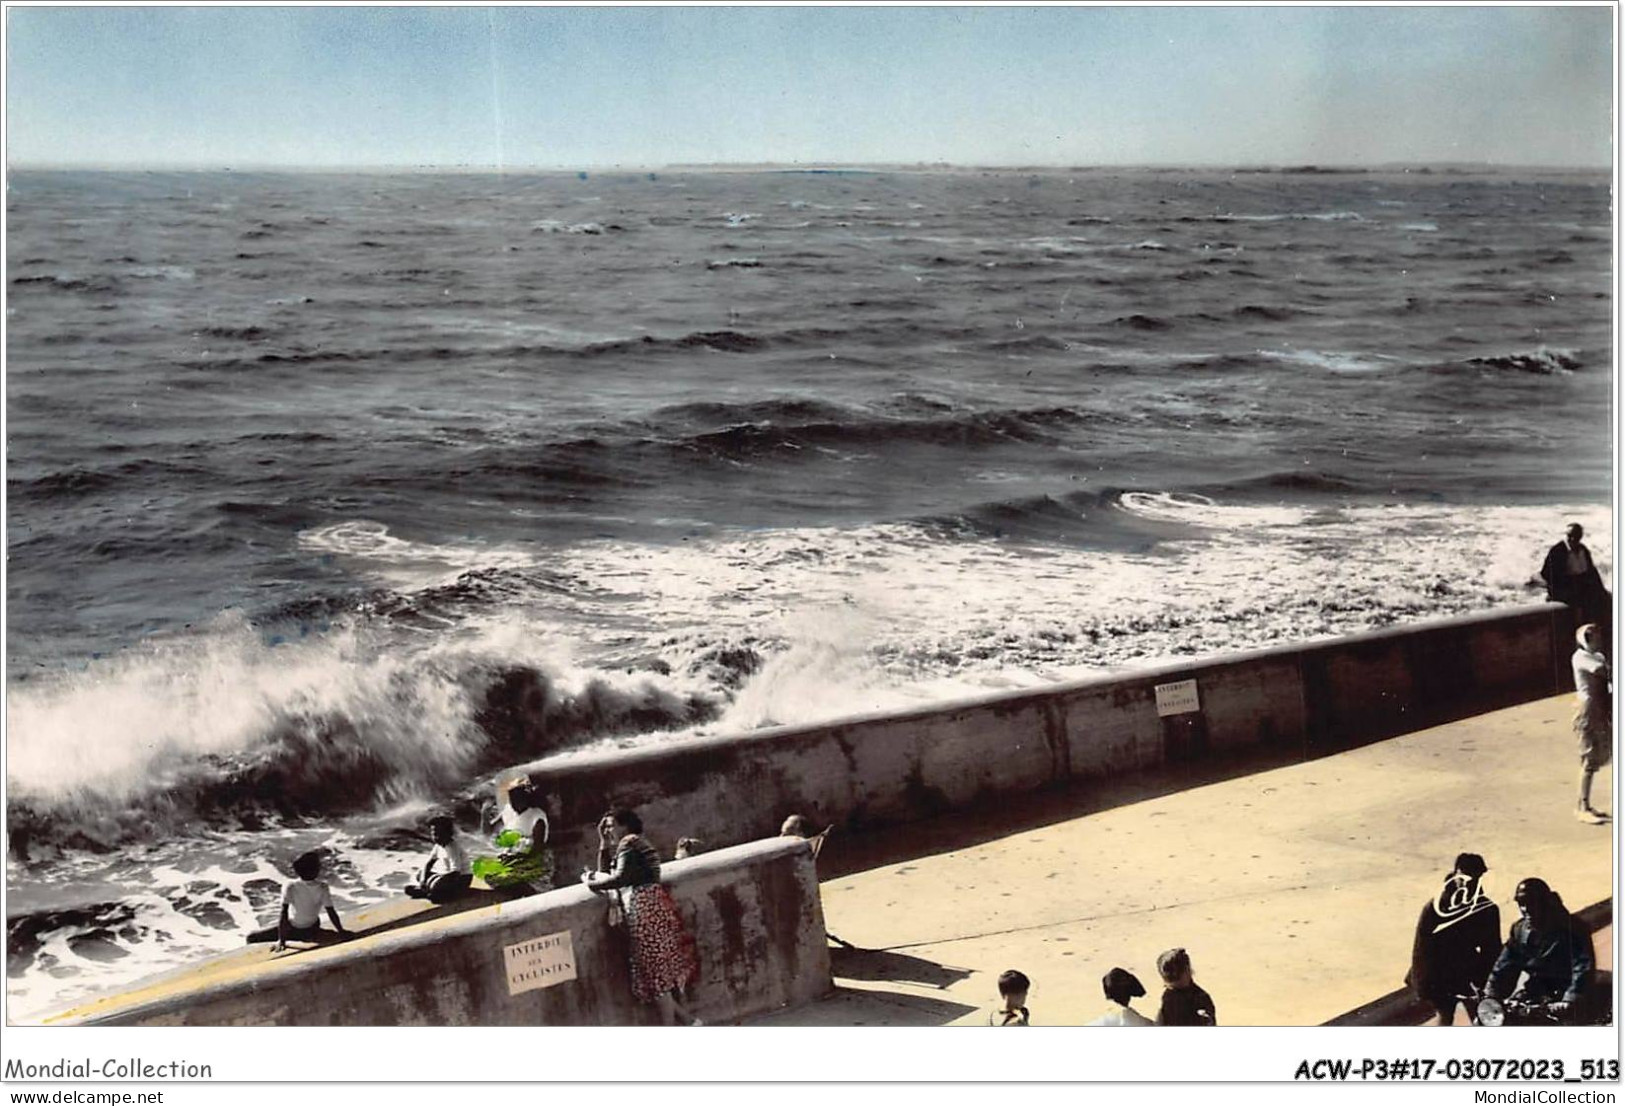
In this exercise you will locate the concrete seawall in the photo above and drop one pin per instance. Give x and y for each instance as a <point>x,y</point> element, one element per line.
<point>551,959</point>
<point>1294,701</point>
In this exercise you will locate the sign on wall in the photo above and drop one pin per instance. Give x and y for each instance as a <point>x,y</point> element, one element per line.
<point>540,962</point>
<point>1179,698</point>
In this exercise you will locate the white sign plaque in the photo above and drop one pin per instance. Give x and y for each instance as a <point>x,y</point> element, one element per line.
<point>1177,698</point>
<point>540,962</point>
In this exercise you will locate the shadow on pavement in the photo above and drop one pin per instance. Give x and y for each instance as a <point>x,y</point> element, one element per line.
<point>854,1006</point>
<point>873,965</point>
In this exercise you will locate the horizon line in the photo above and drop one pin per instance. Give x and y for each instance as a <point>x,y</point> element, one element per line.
<point>798,166</point>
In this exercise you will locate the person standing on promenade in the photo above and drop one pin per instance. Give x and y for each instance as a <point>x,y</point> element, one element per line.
<point>1457,940</point>
<point>1594,714</point>
<point>664,958</point>
<point>1571,577</point>
<point>1183,1002</point>
<point>1122,988</point>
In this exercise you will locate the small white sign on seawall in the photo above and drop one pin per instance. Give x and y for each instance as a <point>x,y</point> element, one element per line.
<point>1177,698</point>
<point>540,962</point>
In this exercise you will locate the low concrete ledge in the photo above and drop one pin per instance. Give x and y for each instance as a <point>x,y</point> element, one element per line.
<point>1292,701</point>
<point>549,959</point>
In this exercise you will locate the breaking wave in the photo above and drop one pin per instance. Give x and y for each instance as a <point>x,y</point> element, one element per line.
<point>222,728</point>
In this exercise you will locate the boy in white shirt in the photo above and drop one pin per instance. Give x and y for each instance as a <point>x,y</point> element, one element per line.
<point>446,873</point>
<point>302,903</point>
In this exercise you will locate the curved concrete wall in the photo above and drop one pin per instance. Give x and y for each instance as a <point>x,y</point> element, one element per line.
<point>754,912</point>
<point>1297,701</point>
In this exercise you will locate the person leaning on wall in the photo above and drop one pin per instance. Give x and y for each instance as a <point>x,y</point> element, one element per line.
<point>799,825</point>
<point>664,959</point>
<point>1571,578</point>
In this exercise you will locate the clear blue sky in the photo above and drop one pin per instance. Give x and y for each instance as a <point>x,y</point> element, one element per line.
<point>593,87</point>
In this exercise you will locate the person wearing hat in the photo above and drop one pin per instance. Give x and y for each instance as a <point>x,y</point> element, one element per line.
<point>1121,988</point>
<point>523,862</point>
<point>1549,951</point>
<point>1457,938</point>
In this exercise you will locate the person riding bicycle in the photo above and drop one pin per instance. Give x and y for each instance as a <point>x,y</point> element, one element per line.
<point>1550,951</point>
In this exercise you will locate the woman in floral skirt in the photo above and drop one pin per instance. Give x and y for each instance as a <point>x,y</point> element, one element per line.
<point>664,958</point>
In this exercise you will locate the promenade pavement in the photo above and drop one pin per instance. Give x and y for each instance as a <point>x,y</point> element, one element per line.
<point>1296,889</point>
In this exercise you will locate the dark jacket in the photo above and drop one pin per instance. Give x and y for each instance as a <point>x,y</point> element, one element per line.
<point>1187,1006</point>
<point>1457,938</point>
<point>1563,588</point>
<point>1558,959</point>
<point>636,864</point>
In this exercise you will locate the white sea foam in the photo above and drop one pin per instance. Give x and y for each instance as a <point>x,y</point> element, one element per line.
<point>974,611</point>
<point>186,904</point>
<point>163,272</point>
<point>370,549</point>
<point>1333,361</point>
<point>1278,217</point>
<point>1199,510</point>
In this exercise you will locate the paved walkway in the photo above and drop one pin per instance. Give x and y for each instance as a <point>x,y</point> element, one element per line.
<point>1295,889</point>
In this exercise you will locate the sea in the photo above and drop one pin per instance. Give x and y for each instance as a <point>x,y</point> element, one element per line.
<point>329,497</point>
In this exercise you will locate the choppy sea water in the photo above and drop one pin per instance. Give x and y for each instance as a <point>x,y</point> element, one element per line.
<point>329,496</point>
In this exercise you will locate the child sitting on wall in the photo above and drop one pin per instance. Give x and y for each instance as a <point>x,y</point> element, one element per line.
<point>445,875</point>
<point>302,903</point>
